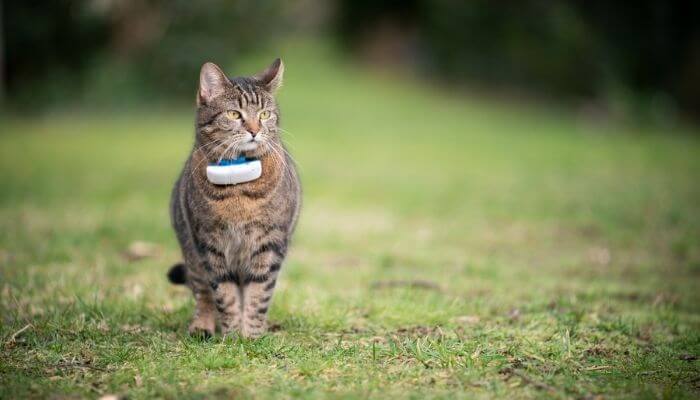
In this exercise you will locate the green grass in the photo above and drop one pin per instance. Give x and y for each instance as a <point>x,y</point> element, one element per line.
<point>563,257</point>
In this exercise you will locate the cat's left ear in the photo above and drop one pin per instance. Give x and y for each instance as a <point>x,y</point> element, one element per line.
<point>212,83</point>
<point>271,77</point>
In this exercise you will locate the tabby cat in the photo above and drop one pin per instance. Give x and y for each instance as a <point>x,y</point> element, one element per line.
<point>234,237</point>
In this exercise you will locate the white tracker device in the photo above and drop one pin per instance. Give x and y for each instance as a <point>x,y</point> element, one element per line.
<point>232,172</point>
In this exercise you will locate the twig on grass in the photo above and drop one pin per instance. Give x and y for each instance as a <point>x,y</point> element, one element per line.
<point>19,332</point>
<point>598,367</point>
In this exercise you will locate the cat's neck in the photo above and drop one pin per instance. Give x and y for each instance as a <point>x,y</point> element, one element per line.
<point>272,167</point>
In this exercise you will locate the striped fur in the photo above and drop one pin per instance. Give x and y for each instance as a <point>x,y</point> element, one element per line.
<point>234,238</point>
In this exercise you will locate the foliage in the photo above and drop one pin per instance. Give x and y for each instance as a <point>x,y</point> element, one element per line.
<point>579,50</point>
<point>159,45</point>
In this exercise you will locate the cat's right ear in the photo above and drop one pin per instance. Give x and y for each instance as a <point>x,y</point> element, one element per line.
<point>212,83</point>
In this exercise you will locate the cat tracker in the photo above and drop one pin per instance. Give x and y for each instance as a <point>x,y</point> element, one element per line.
<point>234,171</point>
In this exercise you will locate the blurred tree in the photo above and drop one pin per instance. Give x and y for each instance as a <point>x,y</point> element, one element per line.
<point>572,49</point>
<point>649,46</point>
<point>51,45</point>
<point>644,53</point>
<point>178,36</point>
<point>48,38</point>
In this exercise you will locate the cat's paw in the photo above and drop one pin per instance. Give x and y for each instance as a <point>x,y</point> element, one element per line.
<point>253,331</point>
<point>199,330</point>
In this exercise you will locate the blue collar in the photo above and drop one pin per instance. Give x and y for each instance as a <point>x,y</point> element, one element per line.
<point>235,161</point>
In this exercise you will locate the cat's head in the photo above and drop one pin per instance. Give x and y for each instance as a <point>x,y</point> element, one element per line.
<point>238,116</point>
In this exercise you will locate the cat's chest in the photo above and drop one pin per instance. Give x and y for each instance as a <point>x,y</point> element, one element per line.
<point>245,202</point>
<point>239,208</point>
<point>236,243</point>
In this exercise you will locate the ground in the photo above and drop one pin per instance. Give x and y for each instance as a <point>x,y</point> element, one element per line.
<point>450,246</point>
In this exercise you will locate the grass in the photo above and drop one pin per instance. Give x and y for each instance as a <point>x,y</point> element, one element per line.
<point>559,258</point>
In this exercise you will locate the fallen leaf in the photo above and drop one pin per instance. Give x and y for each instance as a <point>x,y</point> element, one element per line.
<point>514,314</point>
<point>139,250</point>
<point>466,319</point>
<point>103,326</point>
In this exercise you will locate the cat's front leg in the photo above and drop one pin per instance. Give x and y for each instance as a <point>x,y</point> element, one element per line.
<point>229,301</point>
<point>258,294</point>
<point>259,287</point>
<point>224,286</point>
<point>204,320</point>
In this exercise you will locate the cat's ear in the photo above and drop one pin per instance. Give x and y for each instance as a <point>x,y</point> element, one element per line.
<point>271,77</point>
<point>212,83</point>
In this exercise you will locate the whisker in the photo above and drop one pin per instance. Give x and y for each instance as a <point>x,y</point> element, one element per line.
<point>286,143</point>
<point>233,143</point>
<point>281,147</point>
<point>285,131</point>
<point>279,155</point>
<point>206,155</point>
<point>284,139</point>
<point>209,144</point>
<point>276,155</point>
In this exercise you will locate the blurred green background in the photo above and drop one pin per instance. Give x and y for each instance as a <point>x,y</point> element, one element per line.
<point>501,199</point>
<point>607,60</point>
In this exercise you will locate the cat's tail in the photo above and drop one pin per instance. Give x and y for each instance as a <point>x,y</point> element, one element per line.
<point>178,274</point>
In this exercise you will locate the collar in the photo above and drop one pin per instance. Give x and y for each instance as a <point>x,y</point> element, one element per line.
<point>231,171</point>
<point>235,161</point>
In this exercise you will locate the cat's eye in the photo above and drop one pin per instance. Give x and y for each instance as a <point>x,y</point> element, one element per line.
<point>233,115</point>
<point>265,115</point>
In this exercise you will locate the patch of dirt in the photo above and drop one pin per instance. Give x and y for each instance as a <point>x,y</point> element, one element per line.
<point>599,255</point>
<point>417,283</point>
<point>600,351</point>
<point>416,331</point>
<point>510,372</point>
<point>355,330</point>
<point>422,331</point>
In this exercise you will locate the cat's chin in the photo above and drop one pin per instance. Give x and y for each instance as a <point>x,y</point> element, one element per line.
<point>249,147</point>
<point>253,150</point>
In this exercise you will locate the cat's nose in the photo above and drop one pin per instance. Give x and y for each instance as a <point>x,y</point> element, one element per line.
<point>253,127</point>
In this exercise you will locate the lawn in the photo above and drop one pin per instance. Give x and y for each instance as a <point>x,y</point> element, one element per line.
<point>449,246</point>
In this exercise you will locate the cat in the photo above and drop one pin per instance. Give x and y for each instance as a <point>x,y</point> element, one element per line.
<point>234,238</point>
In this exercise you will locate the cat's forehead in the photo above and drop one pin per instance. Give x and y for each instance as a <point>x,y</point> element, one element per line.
<point>244,84</point>
<point>248,92</point>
